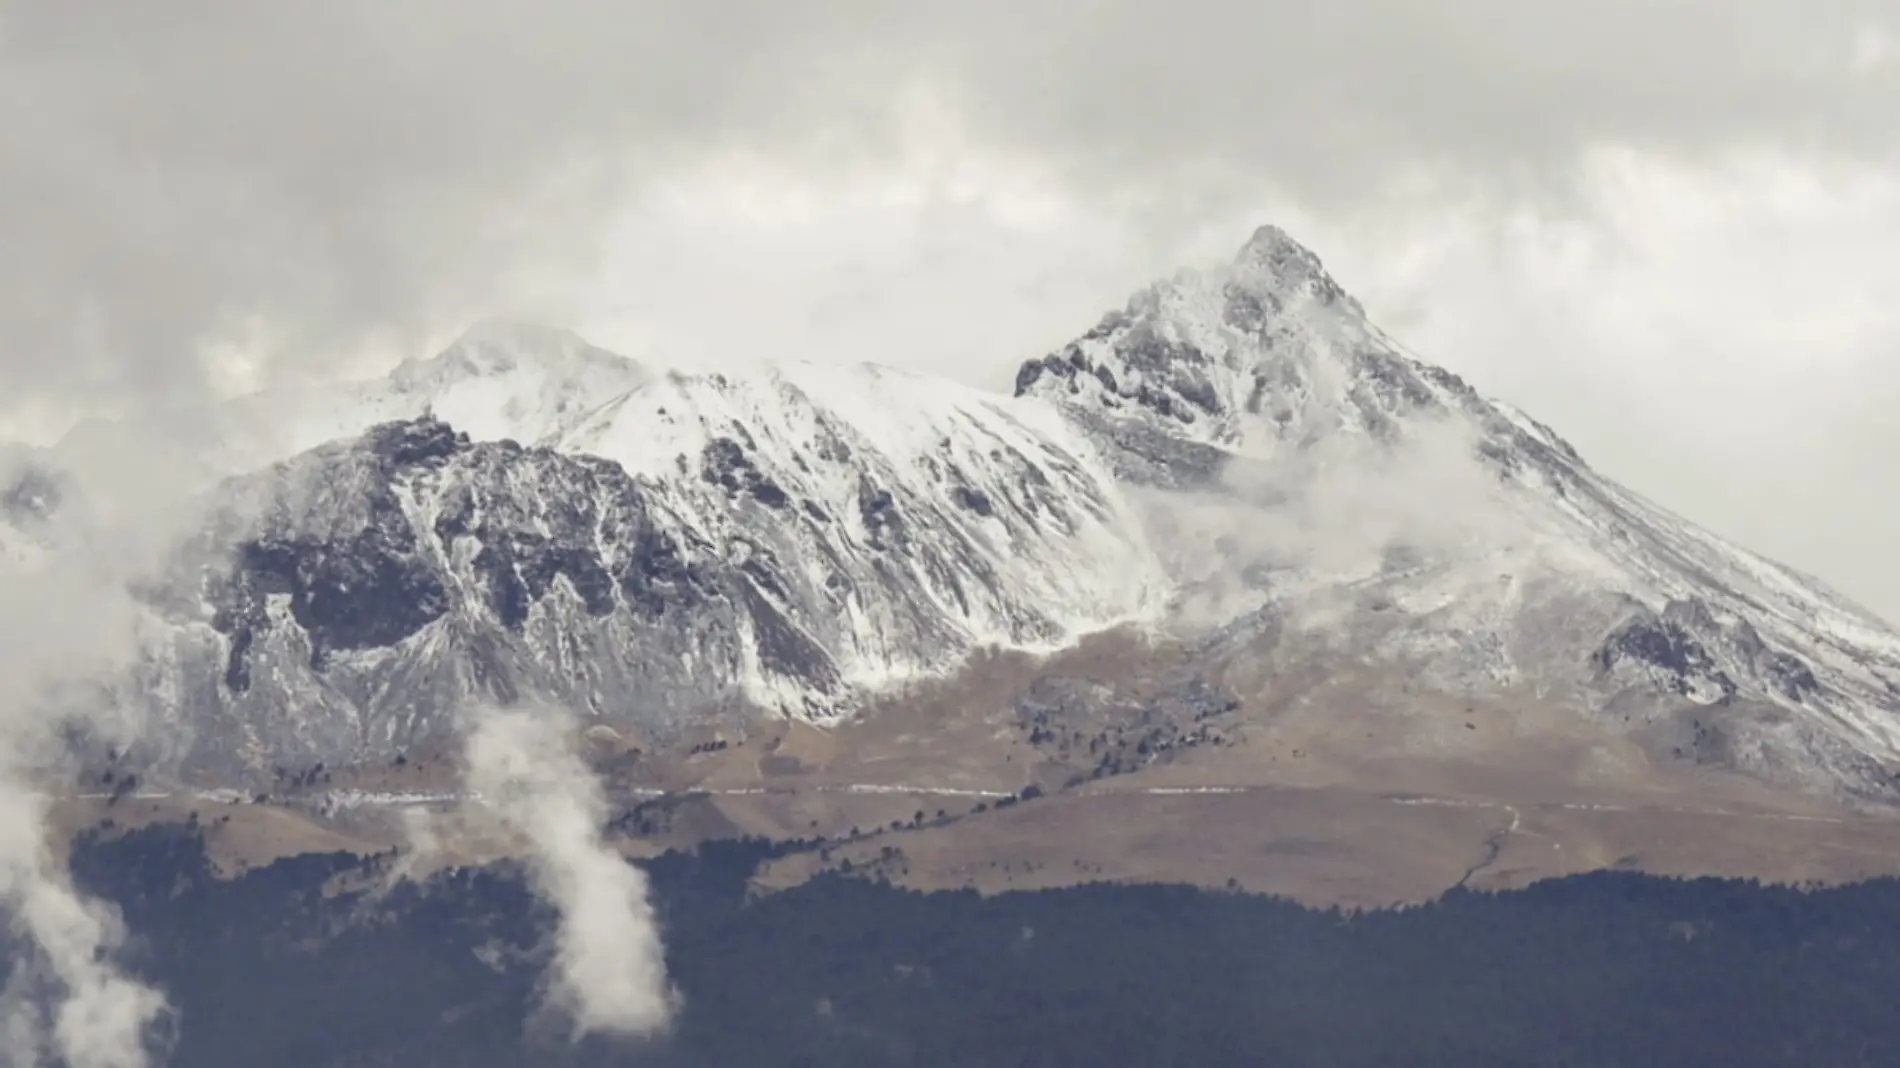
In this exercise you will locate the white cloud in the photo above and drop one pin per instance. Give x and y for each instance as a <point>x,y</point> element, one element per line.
<point>1718,336</point>
<point>1642,221</point>
<point>65,625</point>
<point>609,973</point>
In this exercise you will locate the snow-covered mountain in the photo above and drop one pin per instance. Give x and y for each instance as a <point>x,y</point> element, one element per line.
<point>693,549</point>
<point>1238,460</point>
<point>1412,521</point>
<point>499,380</point>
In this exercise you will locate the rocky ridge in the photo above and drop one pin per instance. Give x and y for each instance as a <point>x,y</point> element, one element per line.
<point>1237,464</point>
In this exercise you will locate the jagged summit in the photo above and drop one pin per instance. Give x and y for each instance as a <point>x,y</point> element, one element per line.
<point>1258,355</point>
<point>1269,242</point>
<point>1236,460</point>
<point>1272,261</point>
<point>1458,538</point>
<point>496,346</point>
<point>791,545</point>
<point>503,379</point>
<point>500,380</point>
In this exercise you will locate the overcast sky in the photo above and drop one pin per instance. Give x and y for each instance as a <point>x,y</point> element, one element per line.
<point>1667,227</point>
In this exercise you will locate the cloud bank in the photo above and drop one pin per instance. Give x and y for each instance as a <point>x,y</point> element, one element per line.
<point>222,190</point>
<point>66,623</point>
<point>229,194</point>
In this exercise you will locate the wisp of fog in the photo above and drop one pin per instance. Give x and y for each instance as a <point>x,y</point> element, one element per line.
<point>609,969</point>
<point>1325,514</point>
<point>67,621</point>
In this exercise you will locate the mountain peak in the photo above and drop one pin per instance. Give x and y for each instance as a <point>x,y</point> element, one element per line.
<point>509,379</point>
<point>499,346</point>
<point>1272,260</point>
<point>1269,242</point>
<point>1264,351</point>
<point>684,551</point>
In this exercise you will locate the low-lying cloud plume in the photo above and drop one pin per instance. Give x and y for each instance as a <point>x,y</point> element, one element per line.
<point>67,626</point>
<point>1342,509</point>
<point>609,969</point>
<point>100,1017</point>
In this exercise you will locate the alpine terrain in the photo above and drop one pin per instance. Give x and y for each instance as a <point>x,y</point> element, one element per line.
<point>1232,543</point>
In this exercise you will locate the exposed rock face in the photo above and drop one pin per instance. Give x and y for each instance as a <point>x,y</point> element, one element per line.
<point>1485,553</point>
<point>347,602</point>
<point>1237,458</point>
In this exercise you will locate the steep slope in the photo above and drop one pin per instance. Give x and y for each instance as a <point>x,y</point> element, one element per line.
<point>1375,506</point>
<point>761,550</point>
<point>959,509</point>
<point>1238,461</point>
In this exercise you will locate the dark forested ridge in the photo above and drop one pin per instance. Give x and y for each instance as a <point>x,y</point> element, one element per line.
<point>282,968</point>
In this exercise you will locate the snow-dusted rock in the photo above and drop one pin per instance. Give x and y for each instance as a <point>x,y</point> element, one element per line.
<point>790,544</point>
<point>1238,456</point>
<point>1354,489</point>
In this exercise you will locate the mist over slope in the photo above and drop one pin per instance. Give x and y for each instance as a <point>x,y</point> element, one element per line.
<point>692,551</point>
<point>1237,460</point>
<point>1381,505</point>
